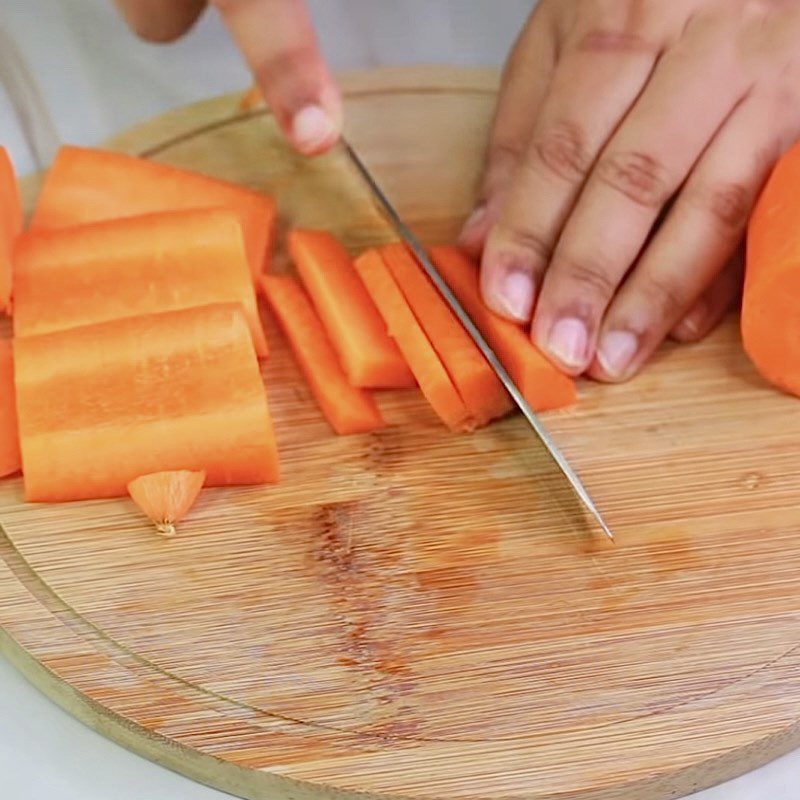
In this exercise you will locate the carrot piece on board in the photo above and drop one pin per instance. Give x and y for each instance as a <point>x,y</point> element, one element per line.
<point>367,354</point>
<point>132,266</point>
<point>543,386</point>
<point>89,185</point>
<point>347,409</point>
<point>103,404</point>
<point>770,322</point>
<point>431,375</point>
<point>479,387</point>
<point>9,434</point>
<point>10,225</point>
<point>166,497</point>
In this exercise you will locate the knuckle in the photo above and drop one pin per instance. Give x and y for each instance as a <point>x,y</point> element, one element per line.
<point>528,241</point>
<point>729,204</point>
<point>604,40</point>
<point>639,176</point>
<point>561,150</point>
<point>593,276</point>
<point>284,65</point>
<point>665,296</point>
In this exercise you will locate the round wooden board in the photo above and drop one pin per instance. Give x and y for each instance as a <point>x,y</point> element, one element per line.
<point>415,614</point>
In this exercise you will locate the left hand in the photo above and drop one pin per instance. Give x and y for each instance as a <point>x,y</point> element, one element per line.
<point>630,141</point>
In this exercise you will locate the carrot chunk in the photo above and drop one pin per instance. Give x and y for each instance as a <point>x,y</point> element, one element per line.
<point>103,404</point>
<point>10,461</point>
<point>419,353</point>
<point>367,354</point>
<point>347,408</point>
<point>130,267</point>
<point>479,387</point>
<point>543,386</point>
<point>89,185</point>
<point>166,497</point>
<point>10,226</point>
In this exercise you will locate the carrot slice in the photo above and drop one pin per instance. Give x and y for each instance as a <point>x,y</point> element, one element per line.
<point>10,461</point>
<point>479,387</point>
<point>770,323</point>
<point>88,185</point>
<point>543,386</point>
<point>431,375</point>
<point>166,497</point>
<point>367,354</point>
<point>347,409</point>
<point>10,225</point>
<point>132,266</point>
<point>103,404</point>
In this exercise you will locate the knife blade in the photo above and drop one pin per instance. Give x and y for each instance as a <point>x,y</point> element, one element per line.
<point>416,248</point>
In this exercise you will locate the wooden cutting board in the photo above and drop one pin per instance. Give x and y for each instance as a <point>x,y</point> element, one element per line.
<point>414,614</point>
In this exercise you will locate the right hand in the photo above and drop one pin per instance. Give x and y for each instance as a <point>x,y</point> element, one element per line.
<point>278,41</point>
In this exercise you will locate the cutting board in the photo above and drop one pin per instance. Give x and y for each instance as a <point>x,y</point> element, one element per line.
<point>417,614</point>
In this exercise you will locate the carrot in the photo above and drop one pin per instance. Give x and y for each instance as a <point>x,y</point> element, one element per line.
<point>88,185</point>
<point>103,404</point>
<point>431,375</point>
<point>10,225</point>
<point>166,497</point>
<point>9,435</point>
<point>132,266</point>
<point>479,387</point>
<point>347,409</point>
<point>543,386</point>
<point>770,324</point>
<point>367,354</point>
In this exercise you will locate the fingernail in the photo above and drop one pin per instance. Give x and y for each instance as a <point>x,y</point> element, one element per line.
<point>312,128</point>
<point>472,222</point>
<point>616,352</point>
<point>516,294</point>
<point>692,324</point>
<point>567,342</point>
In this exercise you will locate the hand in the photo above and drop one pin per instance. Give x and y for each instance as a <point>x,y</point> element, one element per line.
<point>278,41</point>
<point>630,141</point>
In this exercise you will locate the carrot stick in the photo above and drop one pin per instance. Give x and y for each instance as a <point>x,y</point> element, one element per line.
<point>770,323</point>
<point>479,387</point>
<point>166,497</point>
<point>367,354</point>
<point>103,404</point>
<point>88,185</point>
<point>10,226</point>
<point>543,386</point>
<point>132,266</point>
<point>347,409</point>
<point>10,461</point>
<point>420,355</point>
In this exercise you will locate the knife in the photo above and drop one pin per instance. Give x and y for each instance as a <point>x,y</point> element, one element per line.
<point>413,244</point>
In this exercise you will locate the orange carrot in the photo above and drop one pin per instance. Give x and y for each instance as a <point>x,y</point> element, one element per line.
<point>87,185</point>
<point>166,497</point>
<point>431,375</point>
<point>252,99</point>
<point>9,435</point>
<point>10,226</point>
<point>770,322</point>
<point>132,266</point>
<point>479,387</point>
<point>347,409</point>
<point>103,404</point>
<point>367,354</point>
<point>543,386</point>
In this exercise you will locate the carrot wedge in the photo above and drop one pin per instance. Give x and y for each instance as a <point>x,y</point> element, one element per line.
<point>366,352</point>
<point>10,460</point>
<point>543,386</point>
<point>420,355</point>
<point>479,387</point>
<point>10,226</point>
<point>89,185</point>
<point>103,404</point>
<point>347,409</point>
<point>132,266</point>
<point>166,497</point>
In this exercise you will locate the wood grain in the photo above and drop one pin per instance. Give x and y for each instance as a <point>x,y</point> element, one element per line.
<point>415,614</point>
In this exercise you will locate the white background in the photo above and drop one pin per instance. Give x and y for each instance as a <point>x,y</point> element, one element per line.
<point>94,79</point>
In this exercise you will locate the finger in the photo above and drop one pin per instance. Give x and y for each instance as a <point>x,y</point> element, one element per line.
<point>278,40</point>
<point>640,169</point>
<point>594,84</point>
<point>157,21</point>
<point>699,236</point>
<point>523,86</point>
